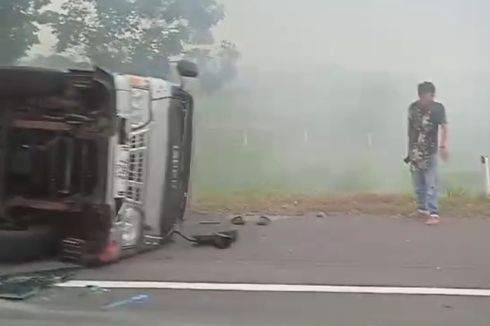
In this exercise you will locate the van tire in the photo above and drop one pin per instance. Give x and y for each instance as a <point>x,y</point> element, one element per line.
<point>33,243</point>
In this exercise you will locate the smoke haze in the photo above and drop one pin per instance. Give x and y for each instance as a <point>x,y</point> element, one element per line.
<point>321,99</point>
<point>324,87</point>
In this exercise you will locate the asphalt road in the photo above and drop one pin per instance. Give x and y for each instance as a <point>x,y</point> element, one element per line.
<point>343,250</point>
<point>352,250</point>
<point>81,307</point>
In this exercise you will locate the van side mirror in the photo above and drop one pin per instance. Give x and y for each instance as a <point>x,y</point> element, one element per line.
<point>187,69</point>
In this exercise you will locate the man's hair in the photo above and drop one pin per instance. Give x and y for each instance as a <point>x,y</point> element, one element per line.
<point>426,88</point>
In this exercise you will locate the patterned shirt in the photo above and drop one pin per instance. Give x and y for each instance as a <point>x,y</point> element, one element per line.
<point>423,131</point>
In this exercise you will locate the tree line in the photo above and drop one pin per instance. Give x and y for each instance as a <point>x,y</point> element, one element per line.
<point>139,37</point>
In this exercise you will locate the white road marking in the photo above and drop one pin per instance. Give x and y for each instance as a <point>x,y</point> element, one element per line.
<point>250,287</point>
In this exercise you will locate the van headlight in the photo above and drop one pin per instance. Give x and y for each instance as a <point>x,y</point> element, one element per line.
<point>139,113</point>
<point>129,225</point>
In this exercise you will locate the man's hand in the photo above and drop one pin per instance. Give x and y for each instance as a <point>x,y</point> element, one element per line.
<point>444,153</point>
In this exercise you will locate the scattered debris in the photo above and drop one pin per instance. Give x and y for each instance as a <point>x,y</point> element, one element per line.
<point>209,222</point>
<point>97,289</point>
<point>296,203</point>
<point>263,220</point>
<point>136,299</point>
<point>438,268</point>
<point>238,220</point>
<point>220,240</point>
<point>24,286</point>
<point>446,306</point>
<point>321,215</point>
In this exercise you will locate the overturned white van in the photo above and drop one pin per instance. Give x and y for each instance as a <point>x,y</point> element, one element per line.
<point>93,165</point>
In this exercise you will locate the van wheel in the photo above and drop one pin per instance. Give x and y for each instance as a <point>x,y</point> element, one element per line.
<point>33,243</point>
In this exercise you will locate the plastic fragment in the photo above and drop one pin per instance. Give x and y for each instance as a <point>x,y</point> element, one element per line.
<point>136,299</point>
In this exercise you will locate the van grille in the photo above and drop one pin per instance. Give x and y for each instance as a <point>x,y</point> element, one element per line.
<point>137,165</point>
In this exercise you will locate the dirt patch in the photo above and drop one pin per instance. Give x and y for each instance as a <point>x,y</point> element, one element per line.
<point>370,204</point>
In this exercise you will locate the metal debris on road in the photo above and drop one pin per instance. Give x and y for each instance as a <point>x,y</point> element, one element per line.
<point>263,220</point>
<point>238,220</point>
<point>220,240</point>
<point>321,215</point>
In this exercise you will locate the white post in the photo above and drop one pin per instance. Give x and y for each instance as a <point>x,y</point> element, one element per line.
<point>370,140</point>
<point>486,174</point>
<point>245,137</point>
<point>306,137</point>
<point>189,195</point>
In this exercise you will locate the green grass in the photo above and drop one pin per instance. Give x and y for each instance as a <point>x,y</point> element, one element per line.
<point>229,170</point>
<point>336,203</point>
<point>267,178</point>
<point>222,169</point>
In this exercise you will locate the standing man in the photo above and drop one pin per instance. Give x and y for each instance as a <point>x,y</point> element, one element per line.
<point>425,116</point>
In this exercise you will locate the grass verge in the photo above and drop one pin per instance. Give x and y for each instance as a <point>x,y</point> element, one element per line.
<point>370,204</point>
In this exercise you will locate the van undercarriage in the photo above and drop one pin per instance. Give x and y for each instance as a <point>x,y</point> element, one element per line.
<point>54,134</point>
<point>93,166</point>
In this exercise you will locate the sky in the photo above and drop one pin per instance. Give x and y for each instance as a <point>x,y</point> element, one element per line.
<point>400,35</point>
